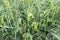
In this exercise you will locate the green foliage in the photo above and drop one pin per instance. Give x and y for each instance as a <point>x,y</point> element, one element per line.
<point>29,19</point>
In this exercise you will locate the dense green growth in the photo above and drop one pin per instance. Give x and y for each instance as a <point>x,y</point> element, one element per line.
<point>29,19</point>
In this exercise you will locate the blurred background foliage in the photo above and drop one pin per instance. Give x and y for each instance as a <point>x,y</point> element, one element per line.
<point>29,19</point>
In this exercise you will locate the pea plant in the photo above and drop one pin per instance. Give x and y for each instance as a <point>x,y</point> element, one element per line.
<point>29,19</point>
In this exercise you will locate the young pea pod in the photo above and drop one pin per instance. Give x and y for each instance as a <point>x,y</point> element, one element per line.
<point>35,26</point>
<point>25,1</point>
<point>20,31</point>
<point>27,36</point>
<point>1,19</point>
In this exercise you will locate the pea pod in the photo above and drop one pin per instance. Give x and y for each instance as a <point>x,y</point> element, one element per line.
<point>21,31</point>
<point>25,1</point>
<point>35,26</point>
<point>27,36</point>
<point>1,19</point>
